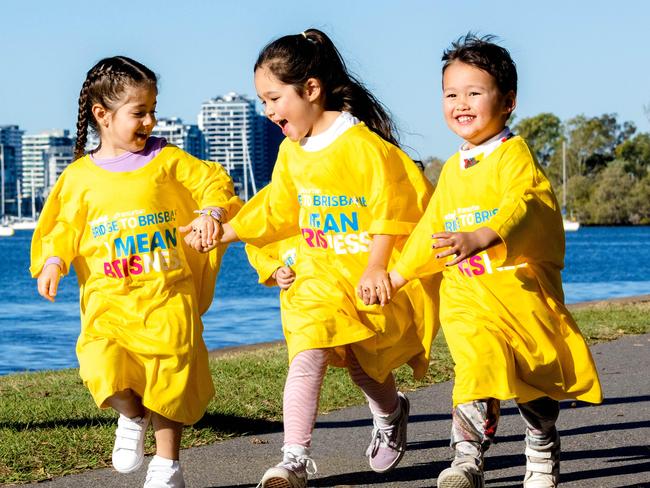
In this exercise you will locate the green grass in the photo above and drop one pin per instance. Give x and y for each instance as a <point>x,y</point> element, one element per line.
<point>49,425</point>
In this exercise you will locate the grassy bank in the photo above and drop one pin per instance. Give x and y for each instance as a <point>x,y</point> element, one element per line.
<point>49,425</point>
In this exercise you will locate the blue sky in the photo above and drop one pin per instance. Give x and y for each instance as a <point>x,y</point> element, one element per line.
<point>573,57</point>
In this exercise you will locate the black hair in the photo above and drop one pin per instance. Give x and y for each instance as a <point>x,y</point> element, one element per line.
<point>293,59</point>
<point>105,84</point>
<point>484,54</point>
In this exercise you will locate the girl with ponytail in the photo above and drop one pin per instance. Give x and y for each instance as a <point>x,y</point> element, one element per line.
<point>114,215</point>
<point>343,184</point>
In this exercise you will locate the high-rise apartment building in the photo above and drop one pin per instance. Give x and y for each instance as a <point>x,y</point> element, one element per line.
<point>229,126</point>
<point>186,136</point>
<point>8,180</point>
<point>45,155</point>
<point>10,164</point>
<point>269,137</point>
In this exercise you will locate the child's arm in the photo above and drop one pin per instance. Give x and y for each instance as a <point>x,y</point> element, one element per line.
<point>462,245</point>
<point>48,281</point>
<point>374,285</point>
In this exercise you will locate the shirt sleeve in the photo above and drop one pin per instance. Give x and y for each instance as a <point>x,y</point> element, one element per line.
<point>265,261</point>
<point>399,192</point>
<point>59,229</point>
<point>208,182</point>
<point>272,214</point>
<point>418,258</point>
<point>528,220</point>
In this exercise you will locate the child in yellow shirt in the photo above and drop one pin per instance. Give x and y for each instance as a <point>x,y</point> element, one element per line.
<point>499,242</point>
<point>343,185</point>
<point>115,215</point>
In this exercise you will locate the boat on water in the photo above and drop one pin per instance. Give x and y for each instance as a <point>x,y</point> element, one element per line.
<point>570,225</point>
<point>6,230</point>
<point>24,224</point>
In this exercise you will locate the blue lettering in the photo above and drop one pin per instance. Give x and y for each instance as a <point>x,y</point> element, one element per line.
<point>124,248</point>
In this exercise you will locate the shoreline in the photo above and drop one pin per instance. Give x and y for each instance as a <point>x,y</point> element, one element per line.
<point>233,350</point>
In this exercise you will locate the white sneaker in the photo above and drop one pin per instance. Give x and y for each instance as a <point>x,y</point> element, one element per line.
<point>462,474</point>
<point>164,473</point>
<point>292,472</point>
<point>542,465</point>
<point>128,451</point>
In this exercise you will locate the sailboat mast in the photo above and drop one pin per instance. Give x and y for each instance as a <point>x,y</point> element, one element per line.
<point>2,178</point>
<point>563,177</point>
<point>19,198</point>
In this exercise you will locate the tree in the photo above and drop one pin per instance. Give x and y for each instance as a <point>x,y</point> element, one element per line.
<point>636,153</point>
<point>639,201</point>
<point>609,201</point>
<point>591,142</point>
<point>543,133</point>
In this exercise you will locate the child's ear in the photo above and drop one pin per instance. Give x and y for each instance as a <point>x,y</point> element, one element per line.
<point>313,89</point>
<point>101,114</point>
<point>509,102</point>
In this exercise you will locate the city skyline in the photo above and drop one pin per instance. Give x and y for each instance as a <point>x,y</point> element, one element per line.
<point>573,58</point>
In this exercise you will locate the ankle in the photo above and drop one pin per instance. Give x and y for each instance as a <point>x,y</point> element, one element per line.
<point>468,452</point>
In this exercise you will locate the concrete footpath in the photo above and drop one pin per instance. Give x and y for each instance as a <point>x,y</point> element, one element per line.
<point>602,446</point>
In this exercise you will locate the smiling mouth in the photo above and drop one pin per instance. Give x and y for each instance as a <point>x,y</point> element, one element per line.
<point>465,119</point>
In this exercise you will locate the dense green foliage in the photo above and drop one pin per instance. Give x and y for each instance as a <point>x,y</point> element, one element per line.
<point>607,166</point>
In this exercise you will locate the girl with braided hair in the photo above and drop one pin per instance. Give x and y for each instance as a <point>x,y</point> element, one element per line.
<point>343,185</point>
<point>115,214</point>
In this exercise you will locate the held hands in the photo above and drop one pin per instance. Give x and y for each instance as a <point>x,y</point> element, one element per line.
<point>48,281</point>
<point>462,245</point>
<point>284,277</point>
<point>203,233</point>
<point>374,286</point>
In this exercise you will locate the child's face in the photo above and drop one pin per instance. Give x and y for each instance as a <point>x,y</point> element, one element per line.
<point>474,107</point>
<point>296,114</point>
<point>128,125</point>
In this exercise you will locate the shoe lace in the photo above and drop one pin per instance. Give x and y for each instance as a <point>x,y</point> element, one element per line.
<point>384,436</point>
<point>297,461</point>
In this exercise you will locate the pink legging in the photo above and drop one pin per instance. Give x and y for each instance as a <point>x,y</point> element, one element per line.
<point>302,393</point>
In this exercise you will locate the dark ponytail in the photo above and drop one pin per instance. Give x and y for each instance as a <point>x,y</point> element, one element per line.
<point>293,59</point>
<point>105,84</point>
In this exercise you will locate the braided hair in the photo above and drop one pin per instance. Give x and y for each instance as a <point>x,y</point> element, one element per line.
<point>105,84</point>
<point>293,59</point>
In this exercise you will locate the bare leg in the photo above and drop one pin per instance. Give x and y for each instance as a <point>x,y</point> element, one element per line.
<point>168,436</point>
<point>127,403</point>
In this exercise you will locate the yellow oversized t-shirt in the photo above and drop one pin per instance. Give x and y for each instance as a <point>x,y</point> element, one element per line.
<point>337,198</point>
<point>142,290</point>
<point>502,311</point>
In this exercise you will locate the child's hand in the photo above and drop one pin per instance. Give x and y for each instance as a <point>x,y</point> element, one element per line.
<point>374,286</point>
<point>284,277</point>
<point>48,281</point>
<point>397,281</point>
<point>463,245</point>
<point>203,233</point>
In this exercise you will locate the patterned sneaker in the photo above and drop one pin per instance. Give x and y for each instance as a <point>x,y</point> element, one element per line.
<point>461,475</point>
<point>164,473</point>
<point>292,472</point>
<point>542,465</point>
<point>388,444</point>
<point>128,451</point>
